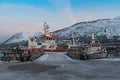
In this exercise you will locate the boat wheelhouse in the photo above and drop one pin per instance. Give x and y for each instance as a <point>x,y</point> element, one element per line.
<point>48,42</point>
<point>95,50</point>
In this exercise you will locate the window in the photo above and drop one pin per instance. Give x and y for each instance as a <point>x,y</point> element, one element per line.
<point>38,43</point>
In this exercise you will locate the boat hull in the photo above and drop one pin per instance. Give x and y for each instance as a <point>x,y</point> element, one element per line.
<point>97,55</point>
<point>21,55</point>
<point>55,51</point>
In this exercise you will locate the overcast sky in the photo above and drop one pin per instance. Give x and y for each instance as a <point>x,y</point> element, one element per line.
<point>29,15</point>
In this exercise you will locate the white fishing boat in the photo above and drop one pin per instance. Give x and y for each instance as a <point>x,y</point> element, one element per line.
<point>95,51</point>
<point>48,43</point>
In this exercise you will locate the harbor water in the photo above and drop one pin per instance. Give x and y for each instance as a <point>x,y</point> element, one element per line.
<point>61,67</point>
<point>1,53</point>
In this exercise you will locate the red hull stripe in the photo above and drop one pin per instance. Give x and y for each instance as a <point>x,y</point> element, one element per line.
<point>49,50</point>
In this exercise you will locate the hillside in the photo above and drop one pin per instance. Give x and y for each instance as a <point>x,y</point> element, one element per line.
<point>107,28</point>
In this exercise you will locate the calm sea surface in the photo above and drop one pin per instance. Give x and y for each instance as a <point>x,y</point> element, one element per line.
<point>1,53</point>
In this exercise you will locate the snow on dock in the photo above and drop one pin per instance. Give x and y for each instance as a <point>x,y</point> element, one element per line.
<point>53,57</point>
<point>114,59</point>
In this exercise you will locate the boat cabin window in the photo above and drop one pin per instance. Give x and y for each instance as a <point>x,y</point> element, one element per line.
<point>95,45</point>
<point>38,43</point>
<point>50,39</point>
<point>43,46</point>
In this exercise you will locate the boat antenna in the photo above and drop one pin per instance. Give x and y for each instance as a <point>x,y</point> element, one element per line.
<point>73,37</point>
<point>93,38</point>
<point>46,28</point>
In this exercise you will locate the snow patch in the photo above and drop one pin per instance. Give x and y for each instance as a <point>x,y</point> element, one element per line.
<point>116,59</point>
<point>107,27</point>
<point>116,18</point>
<point>104,27</point>
<point>53,57</point>
<point>21,37</point>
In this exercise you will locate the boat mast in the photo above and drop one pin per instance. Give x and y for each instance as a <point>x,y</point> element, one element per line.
<point>73,38</point>
<point>93,38</point>
<point>46,28</point>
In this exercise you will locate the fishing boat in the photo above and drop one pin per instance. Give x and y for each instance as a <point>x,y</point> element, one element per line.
<point>48,43</point>
<point>20,54</point>
<point>76,51</point>
<point>95,50</point>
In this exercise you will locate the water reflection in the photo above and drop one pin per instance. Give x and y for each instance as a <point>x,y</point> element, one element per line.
<point>1,53</point>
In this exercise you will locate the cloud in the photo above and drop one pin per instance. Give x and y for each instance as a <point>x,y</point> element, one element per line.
<point>3,17</point>
<point>63,16</point>
<point>25,14</point>
<point>21,18</point>
<point>64,10</point>
<point>24,18</point>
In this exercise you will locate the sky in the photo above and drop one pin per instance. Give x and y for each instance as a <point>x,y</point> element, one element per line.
<point>29,15</point>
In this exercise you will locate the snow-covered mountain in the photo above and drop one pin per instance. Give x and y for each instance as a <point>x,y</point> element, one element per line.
<point>107,27</point>
<point>101,27</point>
<point>21,37</point>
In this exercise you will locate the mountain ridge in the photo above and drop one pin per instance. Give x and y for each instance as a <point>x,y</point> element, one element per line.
<point>102,24</point>
<point>101,27</point>
<point>23,36</point>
